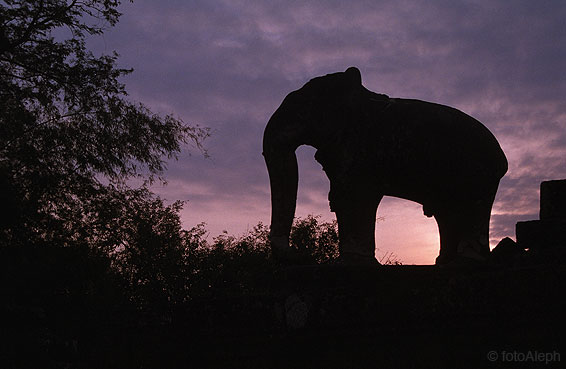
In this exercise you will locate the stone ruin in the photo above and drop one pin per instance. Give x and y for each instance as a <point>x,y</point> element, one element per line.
<point>549,232</point>
<point>538,241</point>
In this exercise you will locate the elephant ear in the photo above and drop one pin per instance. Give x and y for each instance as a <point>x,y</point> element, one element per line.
<point>353,76</point>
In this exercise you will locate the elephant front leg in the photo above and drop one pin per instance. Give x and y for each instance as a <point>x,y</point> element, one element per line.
<point>356,228</point>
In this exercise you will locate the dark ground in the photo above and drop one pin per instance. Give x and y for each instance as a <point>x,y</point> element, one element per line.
<point>394,316</point>
<point>314,317</point>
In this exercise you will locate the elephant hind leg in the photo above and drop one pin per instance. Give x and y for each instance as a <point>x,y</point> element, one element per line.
<point>464,231</point>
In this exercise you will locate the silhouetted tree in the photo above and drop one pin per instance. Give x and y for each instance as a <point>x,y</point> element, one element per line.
<point>318,239</point>
<point>68,133</point>
<point>70,141</point>
<point>146,246</point>
<point>228,265</point>
<point>232,265</point>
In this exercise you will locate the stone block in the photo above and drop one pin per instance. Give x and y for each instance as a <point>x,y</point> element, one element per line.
<point>553,200</point>
<point>541,234</point>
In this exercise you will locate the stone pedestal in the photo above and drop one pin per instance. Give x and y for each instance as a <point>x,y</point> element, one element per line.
<point>550,231</point>
<point>404,316</point>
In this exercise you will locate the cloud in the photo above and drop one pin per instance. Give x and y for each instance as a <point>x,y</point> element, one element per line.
<point>229,64</point>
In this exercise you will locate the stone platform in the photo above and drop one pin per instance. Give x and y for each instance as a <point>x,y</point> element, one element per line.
<point>390,316</point>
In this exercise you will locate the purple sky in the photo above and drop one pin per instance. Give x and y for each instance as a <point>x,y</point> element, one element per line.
<point>228,65</point>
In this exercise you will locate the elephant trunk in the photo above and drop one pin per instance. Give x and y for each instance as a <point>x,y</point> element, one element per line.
<point>279,145</point>
<point>283,178</point>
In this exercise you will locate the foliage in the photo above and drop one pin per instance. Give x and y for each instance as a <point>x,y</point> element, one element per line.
<point>389,258</point>
<point>67,129</point>
<point>144,238</point>
<point>228,265</point>
<point>232,265</point>
<point>319,239</point>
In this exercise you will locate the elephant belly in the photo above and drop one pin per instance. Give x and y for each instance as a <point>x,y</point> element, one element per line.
<point>423,147</point>
<point>423,152</point>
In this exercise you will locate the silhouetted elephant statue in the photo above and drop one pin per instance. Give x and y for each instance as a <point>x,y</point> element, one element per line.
<point>370,146</point>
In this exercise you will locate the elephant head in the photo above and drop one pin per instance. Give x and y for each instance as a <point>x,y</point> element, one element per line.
<point>371,145</point>
<point>300,120</point>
